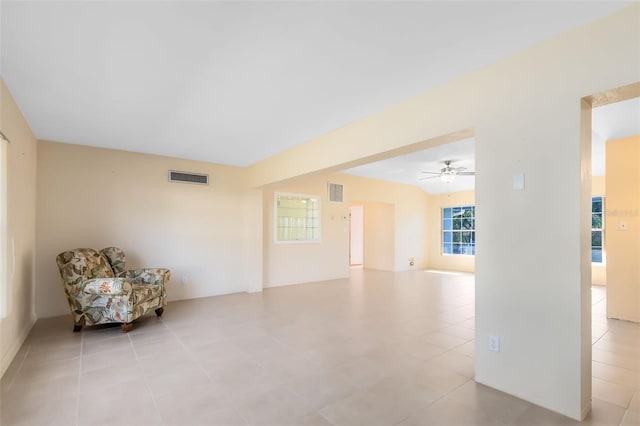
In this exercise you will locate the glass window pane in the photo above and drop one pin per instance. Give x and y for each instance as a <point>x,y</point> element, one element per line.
<point>466,249</point>
<point>596,255</point>
<point>458,226</point>
<point>596,238</point>
<point>297,217</point>
<point>596,204</point>
<point>596,220</point>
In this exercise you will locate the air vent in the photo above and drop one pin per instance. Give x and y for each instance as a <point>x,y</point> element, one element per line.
<point>336,192</point>
<point>185,177</point>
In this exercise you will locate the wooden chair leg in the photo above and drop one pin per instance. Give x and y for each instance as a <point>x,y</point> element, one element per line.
<point>159,312</point>
<point>78,325</point>
<point>127,327</point>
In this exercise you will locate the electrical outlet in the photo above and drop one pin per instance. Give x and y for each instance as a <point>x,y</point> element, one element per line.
<point>184,280</point>
<point>494,343</point>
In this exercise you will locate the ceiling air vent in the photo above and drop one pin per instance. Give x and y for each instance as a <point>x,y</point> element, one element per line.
<point>336,192</point>
<point>185,177</point>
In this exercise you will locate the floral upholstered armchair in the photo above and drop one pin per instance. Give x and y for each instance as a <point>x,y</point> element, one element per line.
<point>100,290</point>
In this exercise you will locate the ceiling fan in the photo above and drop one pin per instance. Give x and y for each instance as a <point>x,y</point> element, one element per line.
<point>448,174</point>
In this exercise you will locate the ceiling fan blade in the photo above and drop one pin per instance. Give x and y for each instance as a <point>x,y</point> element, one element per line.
<point>430,177</point>
<point>466,173</point>
<point>460,169</point>
<point>432,173</point>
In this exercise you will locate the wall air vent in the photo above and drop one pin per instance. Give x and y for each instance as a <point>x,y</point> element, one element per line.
<point>186,177</point>
<point>336,192</point>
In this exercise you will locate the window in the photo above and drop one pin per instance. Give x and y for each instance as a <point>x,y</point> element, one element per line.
<point>297,218</point>
<point>459,230</point>
<point>597,227</point>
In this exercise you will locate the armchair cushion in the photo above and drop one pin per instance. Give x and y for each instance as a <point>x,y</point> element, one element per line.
<point>116,259</point>
<point>114,286</point>
<point>78,265</point>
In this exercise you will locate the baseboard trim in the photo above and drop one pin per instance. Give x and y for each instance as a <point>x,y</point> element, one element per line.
<point>534,401</point>
<point>585,411</point>
<point>15,347</point>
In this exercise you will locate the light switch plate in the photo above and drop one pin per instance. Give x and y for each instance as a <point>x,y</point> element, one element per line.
<point>518,182</point>
<point>494,343</point>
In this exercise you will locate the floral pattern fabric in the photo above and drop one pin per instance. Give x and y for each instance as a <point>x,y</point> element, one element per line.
<point>114,286</point>
<point>116,259</point>
<point>100,290</point>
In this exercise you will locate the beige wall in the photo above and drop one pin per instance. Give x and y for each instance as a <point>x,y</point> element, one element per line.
<point>404,233</point>
<point>623,246</point>
<point>521,109</point>
<point>21,226</point>
<point>379,236</point>
<point>409,217</point>
<point>293,263</point>
<point>599,270</point>
<point>90,197</point>
<point>436,259</point>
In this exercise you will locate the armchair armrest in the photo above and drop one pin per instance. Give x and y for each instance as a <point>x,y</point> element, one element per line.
<point>154,276</point>
<point>111,286</point>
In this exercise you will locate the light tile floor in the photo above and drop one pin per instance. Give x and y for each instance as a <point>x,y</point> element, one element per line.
<point>376,349</point>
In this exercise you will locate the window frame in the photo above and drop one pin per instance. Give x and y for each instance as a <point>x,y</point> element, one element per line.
<point>452,241</point>
<point>318,218</point>
<point>598,229</point>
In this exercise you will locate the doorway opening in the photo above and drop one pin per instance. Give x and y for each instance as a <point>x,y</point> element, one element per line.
<point>356,236</point>
<point>613,133</point>
<point>608,125</point>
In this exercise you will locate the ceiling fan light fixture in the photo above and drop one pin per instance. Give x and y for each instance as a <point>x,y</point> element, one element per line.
<point>448,176</point>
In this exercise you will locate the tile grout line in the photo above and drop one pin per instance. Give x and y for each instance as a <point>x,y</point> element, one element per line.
<point>144,378</point>
<point>187,349</point>
<point>444,395</point>
<point>199,363</point>
<point>174,329</point>
<point>618,367</point>
<point>79,378</point>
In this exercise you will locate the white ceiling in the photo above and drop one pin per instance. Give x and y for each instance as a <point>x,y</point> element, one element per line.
<point>408,168</point>
<point>613,121</point>
<point>237,82</point>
